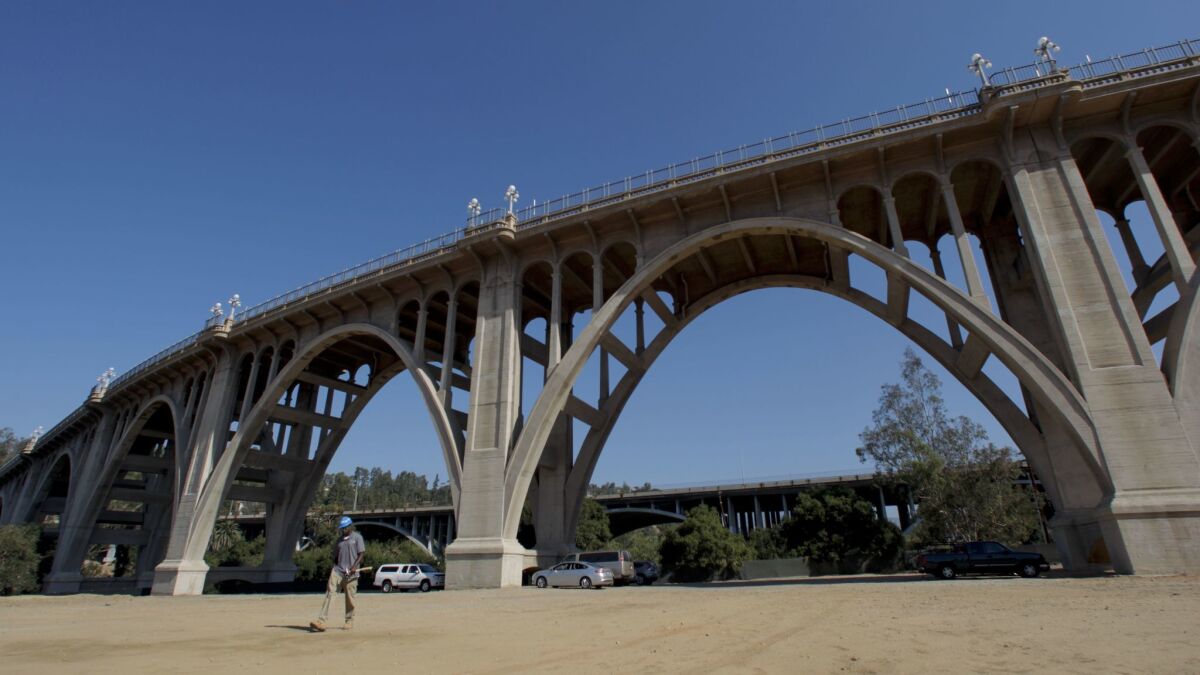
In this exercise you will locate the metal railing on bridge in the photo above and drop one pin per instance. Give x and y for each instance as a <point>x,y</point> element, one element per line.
<point>928,111</point>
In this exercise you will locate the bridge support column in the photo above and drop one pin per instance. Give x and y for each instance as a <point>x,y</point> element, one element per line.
<point>1072,486</point>
<point>1151,519</point>
<point>183,570</point>
<point>482,556</point>
<point>78,519</point>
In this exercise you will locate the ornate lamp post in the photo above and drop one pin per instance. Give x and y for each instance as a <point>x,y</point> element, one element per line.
<point>105,378</point>
<point>216,311</point>
<point>473,210</point>
<point>511,195</point>
<point>234,303</point>
<point>1044,46</point>
<point>977,66</point>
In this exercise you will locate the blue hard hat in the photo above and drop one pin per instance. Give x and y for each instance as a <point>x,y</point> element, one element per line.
<point>345,522</point>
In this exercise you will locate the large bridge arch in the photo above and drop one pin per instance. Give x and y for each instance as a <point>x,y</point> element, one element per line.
<point>289,517</point>
<point>988,334</point>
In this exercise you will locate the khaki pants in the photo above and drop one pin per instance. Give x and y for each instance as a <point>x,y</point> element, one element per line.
<point>345,584</point>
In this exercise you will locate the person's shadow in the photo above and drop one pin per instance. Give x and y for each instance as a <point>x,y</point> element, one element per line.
<point>304,629</point>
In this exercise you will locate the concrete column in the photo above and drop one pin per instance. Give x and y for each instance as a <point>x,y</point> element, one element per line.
<point>445,389</point>
<point>554,324</point>
<point>1069,482</point>
<point>248,399</point>
<point>882,506</point>
<point>1136,260</point>
<point>970,269</point>
<point>1151,521</point>
<point>419,340</point>
<point>597,303</point>
<point>889,206</point>
<point>935,256</point>
<point>482,556</point>
<point>183,570</point>
<point>1182,265</point>
<point>639,312</point>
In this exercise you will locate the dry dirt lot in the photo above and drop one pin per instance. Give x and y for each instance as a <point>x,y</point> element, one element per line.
<point>859,624</point>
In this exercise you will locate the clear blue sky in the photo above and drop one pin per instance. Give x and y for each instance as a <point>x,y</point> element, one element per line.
<point>158,157</point>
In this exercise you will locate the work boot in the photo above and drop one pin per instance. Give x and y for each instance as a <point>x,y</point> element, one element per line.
<point>317,626</point>
<point>349,625</point>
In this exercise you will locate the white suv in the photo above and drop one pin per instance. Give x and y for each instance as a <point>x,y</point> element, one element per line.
<point>408,575</point>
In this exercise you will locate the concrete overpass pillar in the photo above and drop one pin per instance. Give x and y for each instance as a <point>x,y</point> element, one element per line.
<point>1150,519</point>
<point>481,556</point>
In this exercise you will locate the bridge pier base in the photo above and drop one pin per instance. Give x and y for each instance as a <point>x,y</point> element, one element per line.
<point>484,563</point>
<point>179,577</point>
<point>62,584</point>
<point>1156,532</point>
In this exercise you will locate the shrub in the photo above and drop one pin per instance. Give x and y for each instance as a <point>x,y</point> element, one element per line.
<point>701,549</point>
<point>19,559</point>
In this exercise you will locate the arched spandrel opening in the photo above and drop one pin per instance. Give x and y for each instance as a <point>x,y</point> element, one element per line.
<point>861,210</point>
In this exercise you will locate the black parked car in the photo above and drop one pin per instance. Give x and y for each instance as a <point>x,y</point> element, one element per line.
<point>645,572</point>
<point>982,557</point>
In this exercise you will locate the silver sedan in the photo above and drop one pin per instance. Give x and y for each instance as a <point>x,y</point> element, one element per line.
<point>581,574</point>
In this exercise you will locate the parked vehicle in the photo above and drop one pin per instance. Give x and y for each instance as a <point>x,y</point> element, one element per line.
<point>645,572</point>
<point>620,563</point>
<point>581,574</point>
<point>982,557</point>
<point>404,576</point>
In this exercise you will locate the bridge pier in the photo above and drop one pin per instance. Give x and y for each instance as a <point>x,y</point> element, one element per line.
<point>1150,522</point>
<point>482,556</point>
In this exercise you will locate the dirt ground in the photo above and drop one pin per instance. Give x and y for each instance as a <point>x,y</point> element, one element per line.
<point>905,623</point>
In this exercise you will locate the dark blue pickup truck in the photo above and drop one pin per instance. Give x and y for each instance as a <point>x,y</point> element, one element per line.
<point>981,557</point>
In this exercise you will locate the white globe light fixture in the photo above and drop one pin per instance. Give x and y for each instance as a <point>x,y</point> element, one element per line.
<point>511,195</point>
<point>977,66</point>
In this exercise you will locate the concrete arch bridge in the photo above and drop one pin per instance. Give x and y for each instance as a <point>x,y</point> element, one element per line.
<point>1019,177</point>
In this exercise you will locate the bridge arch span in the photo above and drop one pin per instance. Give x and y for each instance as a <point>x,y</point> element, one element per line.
<point>990,335</point>
<point>132,497</point>
<point>361,524</point>
<point>630,518</point>
<point>274,404</point>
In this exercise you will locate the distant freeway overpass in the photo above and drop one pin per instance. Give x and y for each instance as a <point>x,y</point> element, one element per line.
<point>744,507</point>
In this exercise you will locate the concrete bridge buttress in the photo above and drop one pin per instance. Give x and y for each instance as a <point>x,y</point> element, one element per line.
<point>481,556</point>
<point>183,570</point>
<point>76,528</point>
<point>1151,521</point>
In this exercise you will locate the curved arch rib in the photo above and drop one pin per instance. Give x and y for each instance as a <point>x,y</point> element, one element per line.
<point>225,470</point>
<point>1031,368</point>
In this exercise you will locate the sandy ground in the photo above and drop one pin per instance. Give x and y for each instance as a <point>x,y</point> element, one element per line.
<point>905,623</point>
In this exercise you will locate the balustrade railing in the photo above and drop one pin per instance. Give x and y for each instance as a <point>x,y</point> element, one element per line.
<point>899,118</point>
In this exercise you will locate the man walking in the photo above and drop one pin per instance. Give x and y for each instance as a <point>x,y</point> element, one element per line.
<point>348,555</point>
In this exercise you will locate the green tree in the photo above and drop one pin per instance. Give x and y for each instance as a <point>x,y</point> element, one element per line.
<point>964,484</point>
<point>702,549</point>
<point>835,525</point>
<point>768,543</point>
<point>643,543</point>
<point>19,559</point>
<point>593,531</point>
<point>10,444</point>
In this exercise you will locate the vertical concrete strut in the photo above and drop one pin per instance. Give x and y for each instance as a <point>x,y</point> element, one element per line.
<point>963,244</point>
<point>1175,248</point>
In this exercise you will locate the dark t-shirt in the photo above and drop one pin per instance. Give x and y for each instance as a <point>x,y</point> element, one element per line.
<point>348,549</point>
